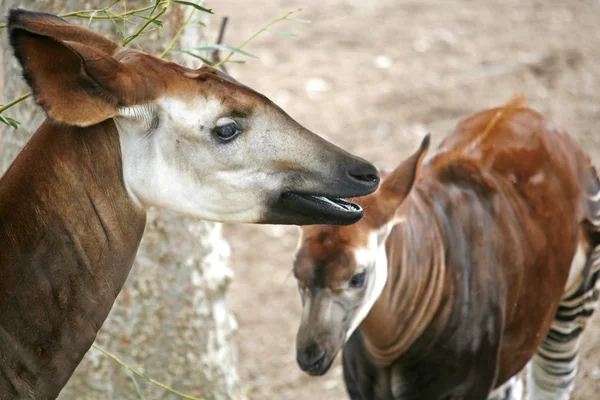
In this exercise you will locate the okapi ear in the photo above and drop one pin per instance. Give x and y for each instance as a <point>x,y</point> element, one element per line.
<point>398,184</point>
<point>75,83</point>
<point>56,27</point>
<point>59,78</point>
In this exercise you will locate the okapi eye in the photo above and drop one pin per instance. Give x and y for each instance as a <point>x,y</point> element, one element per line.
<point>358,280</point>
<point>227,129</point>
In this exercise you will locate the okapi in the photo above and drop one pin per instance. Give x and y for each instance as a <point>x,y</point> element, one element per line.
<point>463,269</point>
<point>127,131</point>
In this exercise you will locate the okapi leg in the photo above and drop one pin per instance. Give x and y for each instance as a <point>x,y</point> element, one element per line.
<point>512,389</point>
<point>551,375</point>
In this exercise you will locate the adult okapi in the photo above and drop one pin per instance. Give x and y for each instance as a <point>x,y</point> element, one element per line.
<point>127,131</point>
<point>462,270</point>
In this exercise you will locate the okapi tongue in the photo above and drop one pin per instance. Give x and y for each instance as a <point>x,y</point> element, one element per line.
<point>310,209</point>
<point>340,203</point>
<point>316,209</point>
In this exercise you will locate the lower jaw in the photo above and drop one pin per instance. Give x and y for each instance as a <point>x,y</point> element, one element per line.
<point>321,371</point>
<point>290,210</point>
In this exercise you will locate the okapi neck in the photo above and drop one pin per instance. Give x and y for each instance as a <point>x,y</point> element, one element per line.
<point>414,289</point>
<point>69,233</point>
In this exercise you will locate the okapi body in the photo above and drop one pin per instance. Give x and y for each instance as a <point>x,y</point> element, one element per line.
<point>464,269</point>
<point>127,131</point>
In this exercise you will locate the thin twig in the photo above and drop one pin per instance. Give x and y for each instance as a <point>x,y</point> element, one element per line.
<point>142,375</point>
<point>12,103</point>
<point>179,32</point>
<point>216,54</point>
<point>148,22</point>
<point>86,13</point>
<point>93,14</point>
<point>81,13</point>
<point>264,28</point>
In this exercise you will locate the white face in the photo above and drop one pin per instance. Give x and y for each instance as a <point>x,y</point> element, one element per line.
<point>184,166</point>
<point>196,142</point>
<point>373,260</point>
<point>333,310</point>
<point>204,160</point>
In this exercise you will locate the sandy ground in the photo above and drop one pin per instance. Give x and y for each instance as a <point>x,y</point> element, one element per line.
<point>374,77</point>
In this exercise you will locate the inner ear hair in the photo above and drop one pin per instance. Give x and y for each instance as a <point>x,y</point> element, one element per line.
<point>141,111</point>
<point>144,114</point>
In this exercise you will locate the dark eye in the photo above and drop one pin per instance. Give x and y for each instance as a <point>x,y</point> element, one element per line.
<point>227,131</point>
<point>358,280</point>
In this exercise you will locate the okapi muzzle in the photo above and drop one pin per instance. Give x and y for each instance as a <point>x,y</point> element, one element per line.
<point>326,318</point>
<point>342,270</point>
<point>126,131</point>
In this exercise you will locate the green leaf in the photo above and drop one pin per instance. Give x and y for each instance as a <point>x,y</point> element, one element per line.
<point>155,7</point>
<point>119,31</point>
<point>92,15</point>
<point>190,4</point>
<point>301,21</point>
<point>138,389</point>
<point>283,33</point>
<point>122,18</point>
<point>9,121</point>
<point>154,21</point>
<point>204,60</point>
<point>224,47</point>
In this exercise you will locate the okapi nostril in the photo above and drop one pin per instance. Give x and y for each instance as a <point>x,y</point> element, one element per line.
<point>365,173</point>
<point>371,177</point>
<point>310,357</point>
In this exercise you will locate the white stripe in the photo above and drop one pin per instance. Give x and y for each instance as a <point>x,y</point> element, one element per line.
<point>514,385</point>
<point>575,273</point>
<point>375,283</point>
<point>555,380</point>
<point>594,198</point>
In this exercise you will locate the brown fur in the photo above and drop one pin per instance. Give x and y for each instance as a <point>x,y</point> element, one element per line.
<point>69,229</point>
<point>100,75</point>
<point>505,202</point>
<point>69,237</point>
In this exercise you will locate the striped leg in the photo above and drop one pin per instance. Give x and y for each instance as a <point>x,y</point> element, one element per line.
<point>512,389</point>
<point>552,370</point>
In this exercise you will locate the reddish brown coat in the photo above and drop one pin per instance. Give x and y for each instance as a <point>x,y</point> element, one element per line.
<point>476,268</point>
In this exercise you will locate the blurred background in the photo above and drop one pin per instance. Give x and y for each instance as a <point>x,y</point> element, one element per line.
<point>371,76</point>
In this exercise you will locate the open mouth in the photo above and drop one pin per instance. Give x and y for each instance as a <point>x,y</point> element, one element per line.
<point>325,210</point>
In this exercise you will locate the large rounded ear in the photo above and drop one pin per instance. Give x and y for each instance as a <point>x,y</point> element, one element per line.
<point>397,185</point>
<point>75,81</point>
<point>58,28</point>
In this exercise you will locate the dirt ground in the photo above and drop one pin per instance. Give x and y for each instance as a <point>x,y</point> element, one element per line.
<point>374,77</point>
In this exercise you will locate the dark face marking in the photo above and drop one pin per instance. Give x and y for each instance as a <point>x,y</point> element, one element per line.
<point>332,287</point>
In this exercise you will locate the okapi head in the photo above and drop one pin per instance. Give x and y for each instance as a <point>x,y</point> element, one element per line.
<point>341,271</point>
<point>195,142</point>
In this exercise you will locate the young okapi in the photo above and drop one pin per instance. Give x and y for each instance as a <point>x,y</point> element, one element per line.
<point>127,131</point>
<point>462,270</point>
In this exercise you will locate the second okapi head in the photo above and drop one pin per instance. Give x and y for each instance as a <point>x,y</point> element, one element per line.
<point>342,270</point>
<point>193,141</point>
